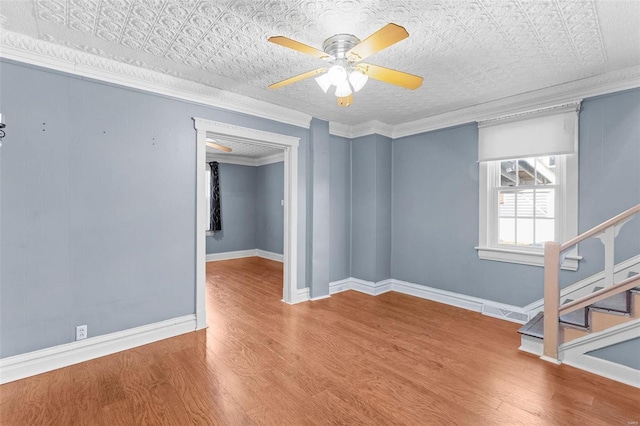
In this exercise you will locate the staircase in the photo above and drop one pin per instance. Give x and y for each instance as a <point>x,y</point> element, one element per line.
<point>567,330</point>
<point>599,316</point>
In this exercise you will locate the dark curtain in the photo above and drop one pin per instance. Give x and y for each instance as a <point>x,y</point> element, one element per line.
<point>215,219</point>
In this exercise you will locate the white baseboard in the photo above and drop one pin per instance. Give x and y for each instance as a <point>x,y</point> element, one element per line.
<point>340,286</point>
<point>531,345</point>
<point>228,255</point>
<point>37,362</point>
<point>486,307</point>
<point>301,295</point>
<point>602,367</point>
<point>270,255</point>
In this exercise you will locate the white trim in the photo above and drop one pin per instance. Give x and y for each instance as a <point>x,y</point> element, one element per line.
<point>601,339</point>
<point>228,255</point>
<point>524,257</point>
<point>270,159</point>
<point>270,255</point>
<point>602,367</point>
<point>246,161</point>
<point>232,159</point>
<point>566,223</point>
<point>610,82</point>
<point>315,299</point>
<point>37,362</point>
<point>340,286</point>
<point>208,128</point>
<point>301,295</point>
<point>476,304</point>
<point>362,129</point>
<point>586,286</point>
<point>29,50</point>
<point>530,344</point>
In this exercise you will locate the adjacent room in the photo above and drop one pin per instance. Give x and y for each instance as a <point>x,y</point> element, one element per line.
<point>319,212</point>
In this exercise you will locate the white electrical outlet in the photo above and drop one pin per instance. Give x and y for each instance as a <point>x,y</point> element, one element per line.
<point>81,332</point>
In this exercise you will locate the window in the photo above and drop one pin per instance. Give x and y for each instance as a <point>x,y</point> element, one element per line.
<point>531,198</point>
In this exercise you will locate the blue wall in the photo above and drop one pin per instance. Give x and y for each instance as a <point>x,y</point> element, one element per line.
<point>340,209</point>
<point>435,204</point>
<point>625,353</point>
<point>269,210</point>
<point>97,212</point>
<point>237,210</point>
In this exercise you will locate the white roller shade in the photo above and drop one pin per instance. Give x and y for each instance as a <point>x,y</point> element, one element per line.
<point>548,132</point>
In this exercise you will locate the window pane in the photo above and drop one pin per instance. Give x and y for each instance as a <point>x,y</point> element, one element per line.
<point>545,203</point>
<point>506,231</point>
<point>526,171</point>
<point>525,203</point>
<point>545,230</point>
<point>508,173</point>
<point>545,171</point>
<point>524,229</point>
<point>506,204</point>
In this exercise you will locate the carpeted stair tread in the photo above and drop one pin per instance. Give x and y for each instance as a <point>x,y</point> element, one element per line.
<point>535,326</point>
<point>618,303</point>
<point>577,318</point>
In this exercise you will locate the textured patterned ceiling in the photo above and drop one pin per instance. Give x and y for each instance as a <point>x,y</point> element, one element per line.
<point>242,149</point>
<point>469,51</point>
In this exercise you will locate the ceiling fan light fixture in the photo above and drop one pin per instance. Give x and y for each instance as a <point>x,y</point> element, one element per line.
<point>358,79</point>
<point>323,82</point>
<point>337,75</point>
<point>343,90</point>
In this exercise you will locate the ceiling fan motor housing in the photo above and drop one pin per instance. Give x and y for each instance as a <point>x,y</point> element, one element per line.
<point>339,44</point>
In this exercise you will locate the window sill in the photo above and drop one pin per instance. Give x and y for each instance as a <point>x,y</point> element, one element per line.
<point>532,258</point>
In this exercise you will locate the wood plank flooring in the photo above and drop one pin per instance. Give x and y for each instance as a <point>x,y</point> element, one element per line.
<point>351,359</point>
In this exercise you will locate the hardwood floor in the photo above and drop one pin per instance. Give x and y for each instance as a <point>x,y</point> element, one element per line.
<point>350,359</point>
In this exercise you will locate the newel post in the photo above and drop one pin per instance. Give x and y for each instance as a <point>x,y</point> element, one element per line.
<point>551,300</point>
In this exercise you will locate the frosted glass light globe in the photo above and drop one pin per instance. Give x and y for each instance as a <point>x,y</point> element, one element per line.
<point>358,79</point>
<point>343,89</point>
<point>337,74</point>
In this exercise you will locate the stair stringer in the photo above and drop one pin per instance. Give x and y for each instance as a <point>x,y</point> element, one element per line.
<point>574,353</point>
<point>587,285</point>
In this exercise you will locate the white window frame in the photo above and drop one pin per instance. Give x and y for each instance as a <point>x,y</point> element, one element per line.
<point>566,218</point>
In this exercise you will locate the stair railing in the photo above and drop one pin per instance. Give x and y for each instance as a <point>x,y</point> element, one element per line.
<point>606,232</point>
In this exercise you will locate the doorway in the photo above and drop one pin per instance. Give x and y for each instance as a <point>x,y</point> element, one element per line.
<point>289,144</point>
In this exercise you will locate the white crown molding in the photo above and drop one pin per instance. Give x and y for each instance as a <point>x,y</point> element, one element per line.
<point>362,129</point>
<point>611,82</point>
<point>270,159</point>
<point>246,161</point>
<point>27,49</point>
<point>40,361</point>
<point>232,159</point>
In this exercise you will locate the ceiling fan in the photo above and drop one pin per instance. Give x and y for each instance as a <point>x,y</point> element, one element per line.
<point>212,143</point>
<point>345,71</point>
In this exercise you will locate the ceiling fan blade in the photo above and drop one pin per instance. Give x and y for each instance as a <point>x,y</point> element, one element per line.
<point>213,144</point>
<point>300,47</point>
<point>399,78</point>
<point>345,101</point>
<point>297,78</point>
<point>381,39</point>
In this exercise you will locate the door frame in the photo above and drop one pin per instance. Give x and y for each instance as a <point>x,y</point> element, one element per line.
<point>289,144</point>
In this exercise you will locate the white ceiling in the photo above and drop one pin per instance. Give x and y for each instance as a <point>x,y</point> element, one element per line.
<point>470,52</point>
<point>241,148</point>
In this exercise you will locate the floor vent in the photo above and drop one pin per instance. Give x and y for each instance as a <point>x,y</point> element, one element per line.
<point>494,311</point>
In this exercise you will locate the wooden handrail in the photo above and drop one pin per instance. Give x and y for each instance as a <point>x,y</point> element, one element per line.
<point>599,295</point>
<point>597,229</point>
